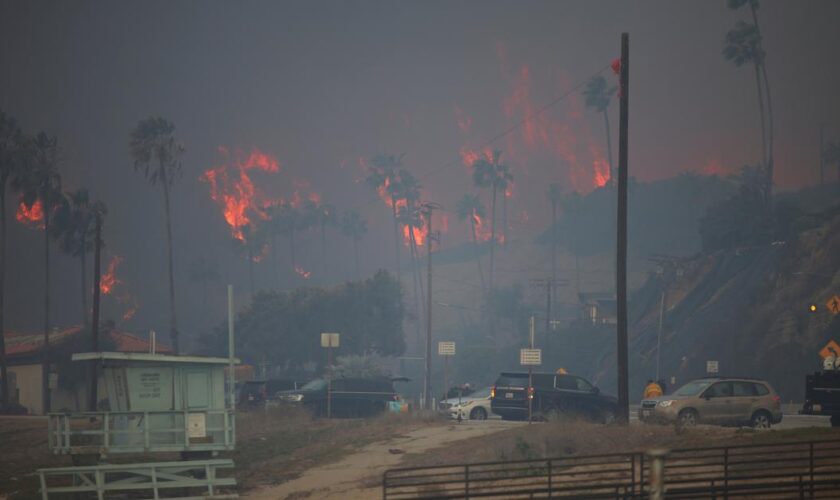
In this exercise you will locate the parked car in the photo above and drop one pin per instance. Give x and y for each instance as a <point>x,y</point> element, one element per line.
<point>719,400</point>
<point>256,392</point>
<point>350,396</point>
<point>552,394</point>
<point>475,406</point>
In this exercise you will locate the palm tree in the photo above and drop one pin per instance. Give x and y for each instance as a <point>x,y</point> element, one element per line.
<point>470,208</point>
<point>157,154</point>
<point>354,226</point>
<point>287,221</point>
<point>743,46</point>
<point>75,228</point>
<point>322,216</point>
<point>383,177</point>
<point>38,179</point>
<point>10,147</point>
<point>250,244</point>
<point>491,173</point>
<point>554,197</point>
<point>597,97</point>
<point>760,60</point>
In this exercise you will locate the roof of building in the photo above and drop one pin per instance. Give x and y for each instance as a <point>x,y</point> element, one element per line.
<point>23,344</point>
<point>151,358</point>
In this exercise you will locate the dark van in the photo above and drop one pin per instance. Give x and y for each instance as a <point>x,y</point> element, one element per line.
<point>553,394</point>
<point>351,397</point>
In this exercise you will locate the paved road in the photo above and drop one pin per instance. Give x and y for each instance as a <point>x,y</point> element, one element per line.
<point>790,419</point>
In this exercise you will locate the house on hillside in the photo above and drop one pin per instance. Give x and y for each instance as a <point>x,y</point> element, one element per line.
<point>68,380</point>
<point>599,308</point>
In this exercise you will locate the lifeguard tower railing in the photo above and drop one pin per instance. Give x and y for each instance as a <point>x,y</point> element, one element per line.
<point>136,432</point>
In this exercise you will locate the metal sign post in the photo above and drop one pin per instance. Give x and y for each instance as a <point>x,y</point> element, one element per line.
<point>446,349</point>
<point>530,357</point>
<point>712,367</point>
<point>329,341</point>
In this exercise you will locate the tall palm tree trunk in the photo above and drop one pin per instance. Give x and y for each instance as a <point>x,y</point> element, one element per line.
<point>504,218</point>
<point>770,130</point>
<point>613,177</point>
<point>396,235</point>
<point>324,262</point>
<point>4,390</point>
<point>554,248</point>
<point>477,254</point>
<point>492,237</point>
<point>173,322</point>
<point>45,365</point>
<point>83,261</point>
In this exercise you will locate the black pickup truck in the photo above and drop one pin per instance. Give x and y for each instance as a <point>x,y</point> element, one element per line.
<point>822,395</point>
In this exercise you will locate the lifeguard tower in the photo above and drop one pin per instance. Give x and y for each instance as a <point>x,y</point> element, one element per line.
<point>155,403</point>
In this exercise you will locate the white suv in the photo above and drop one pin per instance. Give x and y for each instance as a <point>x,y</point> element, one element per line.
<point>476,406</point>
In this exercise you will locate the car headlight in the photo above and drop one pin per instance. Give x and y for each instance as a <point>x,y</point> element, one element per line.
<point>294,397</point>
<point>666,403</point>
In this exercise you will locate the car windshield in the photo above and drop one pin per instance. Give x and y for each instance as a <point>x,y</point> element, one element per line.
<point>693,388</point>
<point>480,394</point>
<point>315,385</point>
<point>512,381</point>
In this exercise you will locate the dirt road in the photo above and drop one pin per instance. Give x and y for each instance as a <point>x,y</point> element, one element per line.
<point>345,478</point>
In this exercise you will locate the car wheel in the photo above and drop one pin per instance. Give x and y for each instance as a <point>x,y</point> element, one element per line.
<point>761,420</point>
<point>687,418</point>
<point>478,414</point>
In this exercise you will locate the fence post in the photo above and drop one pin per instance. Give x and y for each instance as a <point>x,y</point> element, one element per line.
<point>467,482</point>
<point>811,468</point>
<point>549,478</point>
<point>385,485</point>
<point>657,473</point>
<point>726,472</point>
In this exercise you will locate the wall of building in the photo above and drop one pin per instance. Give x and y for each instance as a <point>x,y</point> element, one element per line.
<point>29,387</point>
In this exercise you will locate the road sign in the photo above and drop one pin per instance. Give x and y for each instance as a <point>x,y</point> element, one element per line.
<point>329,340</point>
<point>830,349</point>
<point>833,304</point>
<point>446,348</point>
<point>712,367</point>
<point>530,357</point>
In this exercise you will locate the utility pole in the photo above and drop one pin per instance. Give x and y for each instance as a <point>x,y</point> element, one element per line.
<point>94,324</point>
<point>428,208</point>
<point>621,230</point>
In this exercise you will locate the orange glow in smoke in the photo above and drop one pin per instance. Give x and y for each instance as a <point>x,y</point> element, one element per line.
<point>131,304</point>
<point>109,279</point>
<point>232,188</point>
<point>303,273</point>
<point>31,216</point>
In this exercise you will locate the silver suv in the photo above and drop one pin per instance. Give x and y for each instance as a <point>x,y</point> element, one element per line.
<point>721,401</point>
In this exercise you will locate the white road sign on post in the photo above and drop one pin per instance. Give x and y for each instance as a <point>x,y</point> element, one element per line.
<point>446,348</point>
<point>530,357</point>
<point>711,367</point>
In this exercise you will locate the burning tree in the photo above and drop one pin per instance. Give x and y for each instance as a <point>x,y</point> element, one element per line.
<point>157,154</point>
<point>37,179</point>
<point>470,208</point>
<point>322,216</point>
<point>490,172</point>
<point>598,96</point>
<point>383,176</point>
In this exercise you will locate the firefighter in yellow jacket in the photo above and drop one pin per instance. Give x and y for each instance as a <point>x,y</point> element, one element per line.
<point>652,390</point>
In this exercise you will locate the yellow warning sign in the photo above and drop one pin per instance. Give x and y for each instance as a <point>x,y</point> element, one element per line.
<point>833,304</point>
<point>830,349</point>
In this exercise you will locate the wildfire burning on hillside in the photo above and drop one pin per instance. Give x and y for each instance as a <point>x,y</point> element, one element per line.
<point>232,188</point>
<point>303,273</point>
<point>109,279</point>
<point>32,216</point>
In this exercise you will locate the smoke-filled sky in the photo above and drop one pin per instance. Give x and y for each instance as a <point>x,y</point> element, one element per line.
<point>319,86</point>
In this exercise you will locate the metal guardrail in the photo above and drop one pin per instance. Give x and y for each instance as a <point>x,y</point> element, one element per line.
<point>195,479</point>
<point>809,469</point>
<point>135,432</point>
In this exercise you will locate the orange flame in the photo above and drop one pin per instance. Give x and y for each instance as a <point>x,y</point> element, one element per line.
<point>131,304</point>
<point>232,188</point>
<point>109,279</point>
<point>303,273</point>
<point>31,216</point>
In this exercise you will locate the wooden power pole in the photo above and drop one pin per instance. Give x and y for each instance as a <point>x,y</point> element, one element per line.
<point>621,229</point>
